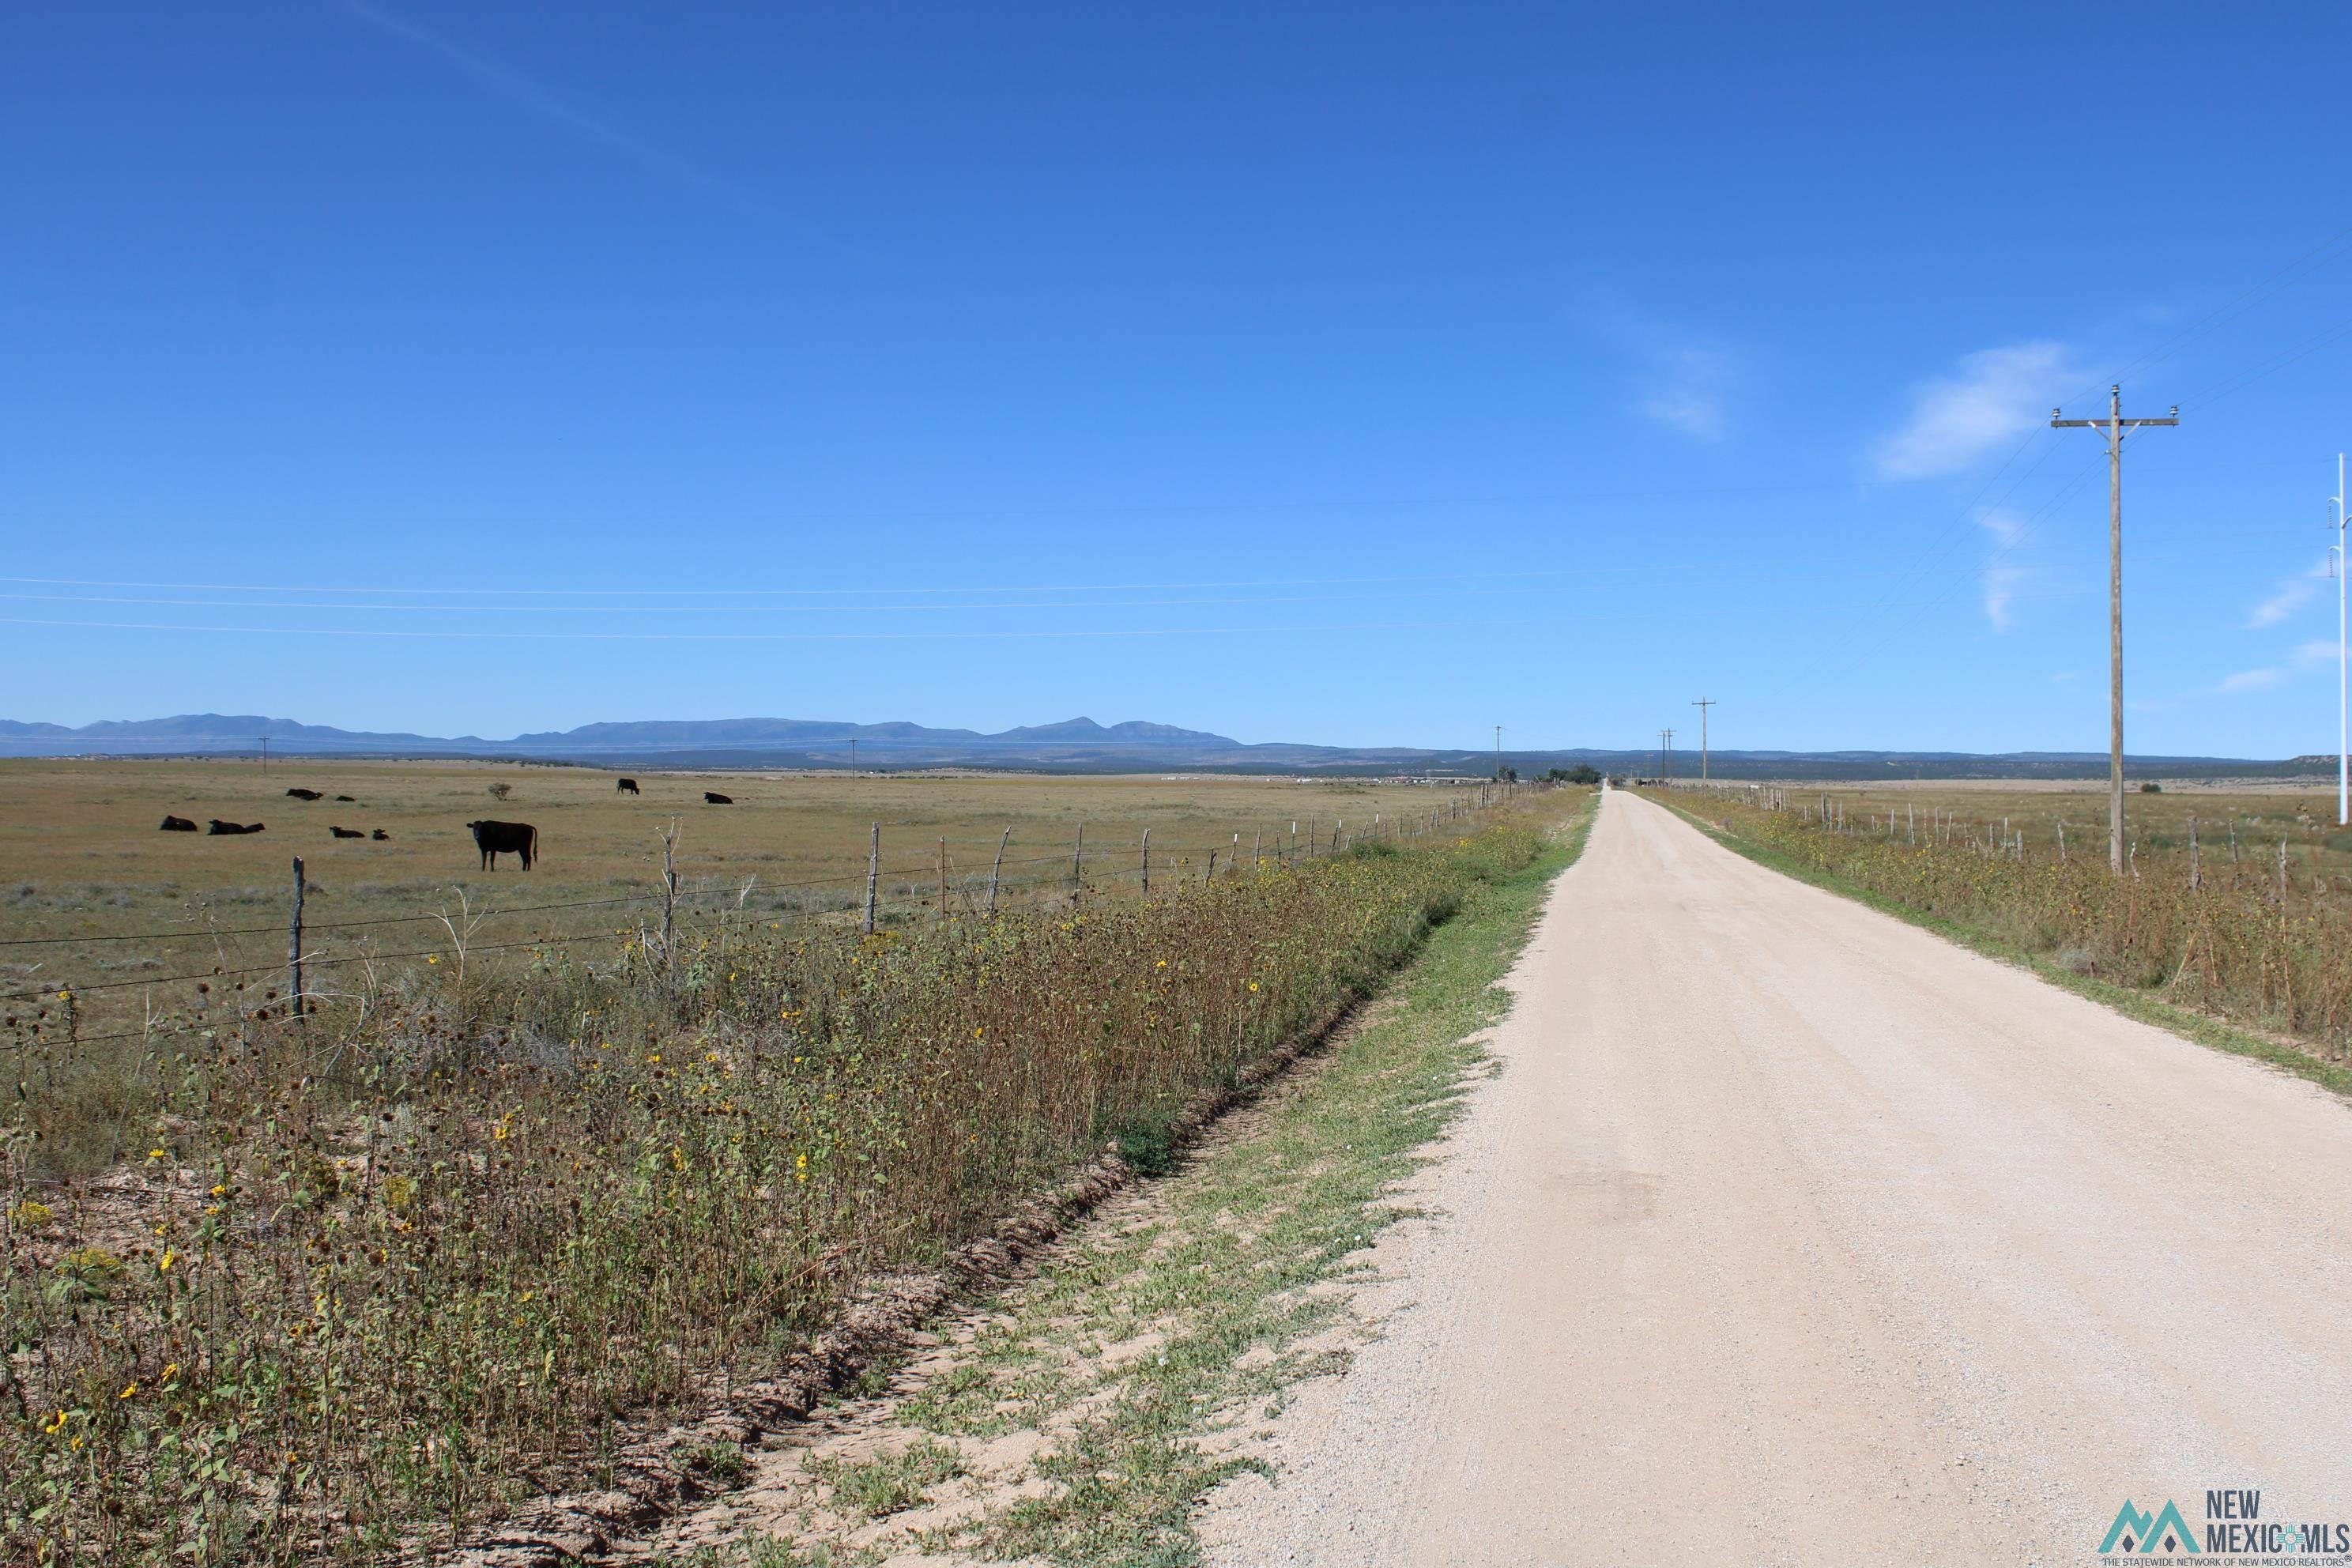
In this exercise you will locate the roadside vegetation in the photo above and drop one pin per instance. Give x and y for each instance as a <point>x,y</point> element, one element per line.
<point>1083,1416</point>
<point>2215,925</point>
<point>415,1259</point>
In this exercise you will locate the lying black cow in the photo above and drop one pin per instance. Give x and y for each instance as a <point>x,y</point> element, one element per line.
<point>345,832</point>
<point>306,795</point>
<point>218,828</point>
<point>496,839</point>
<point>714,798</point>
<point>347,800</point>
<point>178,824</point>
<point>625,786</point>
<point>379,836</point>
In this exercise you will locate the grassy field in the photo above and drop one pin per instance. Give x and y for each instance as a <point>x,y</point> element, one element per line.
<point>85,860</point>
<point>2256,817</point>
<point>275,1290</point>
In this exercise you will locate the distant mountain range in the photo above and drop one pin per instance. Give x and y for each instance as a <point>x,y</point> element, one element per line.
<point>1075,745</point>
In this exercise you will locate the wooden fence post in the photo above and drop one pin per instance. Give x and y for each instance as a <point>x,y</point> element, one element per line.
<point>997,869</point>
<point>294,942</point>
<point>2196,878</point>
<point>1147,862</point>
<point>872,875</point>
<point>1077,864</point>
<point>943,878</point>
<point>669,891</point>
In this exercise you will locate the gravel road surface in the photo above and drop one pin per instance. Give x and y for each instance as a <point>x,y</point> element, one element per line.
<point>1789,1232</point>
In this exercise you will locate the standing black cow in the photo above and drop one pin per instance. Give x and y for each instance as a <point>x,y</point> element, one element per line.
<point>496,839</point>
<point>713,797</point>
<point>625,786</point>
<point>178,824</point>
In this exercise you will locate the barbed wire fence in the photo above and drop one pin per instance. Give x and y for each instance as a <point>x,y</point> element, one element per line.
<point>894,896</point>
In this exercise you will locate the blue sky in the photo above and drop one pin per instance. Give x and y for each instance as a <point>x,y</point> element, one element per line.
<point>1345,373</point>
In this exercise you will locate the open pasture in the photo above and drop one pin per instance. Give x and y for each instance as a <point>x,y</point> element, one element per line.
<point>2256,817</point>
<point>84,859</point>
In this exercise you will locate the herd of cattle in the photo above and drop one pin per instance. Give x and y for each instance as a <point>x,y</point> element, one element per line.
<point>492,838</point>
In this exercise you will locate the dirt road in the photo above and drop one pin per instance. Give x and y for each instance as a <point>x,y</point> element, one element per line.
<point>1788,1233</point>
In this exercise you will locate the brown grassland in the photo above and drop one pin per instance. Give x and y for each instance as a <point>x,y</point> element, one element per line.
<point>82,857</point>
<point>278,1291</point>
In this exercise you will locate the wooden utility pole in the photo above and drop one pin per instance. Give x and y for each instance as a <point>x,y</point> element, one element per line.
<point>2112,426</point>
<point>1703,704</point>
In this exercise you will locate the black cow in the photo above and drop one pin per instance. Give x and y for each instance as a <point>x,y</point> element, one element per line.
<point>218,828</point>
<point>177,825</point>
<point>345,832</point>
<point>713,797</point>
<point>625,786</point>
<point>347,800</point>
<point>496,839</point>
<point>306,795</point>
<point>379,836</point>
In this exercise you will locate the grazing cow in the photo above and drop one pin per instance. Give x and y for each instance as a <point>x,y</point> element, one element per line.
<point>625,786</point>
<point>345,832</point>
<point>714,798</point>
<point>218,828</point>
<point>379,836</point>
<point>496,839</point>
<point>306,795</point>
<point>178,824</point>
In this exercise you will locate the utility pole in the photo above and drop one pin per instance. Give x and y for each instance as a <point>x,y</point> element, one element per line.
<point>2114,425</point>
<point>1666,754</point>
<point>1703,704</point>
<point>265,754</point>
<point>1498,753</point>
<point>2343,733</point>
<point>852,753</point>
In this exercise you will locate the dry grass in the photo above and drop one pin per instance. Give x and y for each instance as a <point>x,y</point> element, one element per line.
<point>86,861</point>
<point>416,1255</point>
<point>2259,938</point>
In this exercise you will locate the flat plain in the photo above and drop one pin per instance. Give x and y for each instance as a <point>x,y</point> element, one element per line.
<point>85,861</point>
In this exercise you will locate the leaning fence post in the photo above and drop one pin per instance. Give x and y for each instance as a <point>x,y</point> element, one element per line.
<point>1147,862</point>
<point>872,875</point>
<point>1077,864</point>
<point>294,942</point>
<point>995,870</point>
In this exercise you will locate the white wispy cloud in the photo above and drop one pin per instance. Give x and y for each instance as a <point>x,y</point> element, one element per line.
<point>2314,653</point>
<point>1998,579</point>
<point>524,93</point>
<point>1686,385</point>
<point>1994,396</point>
<point>1680,378</point>
<point>2291,595</point>
<point>2001,593</point>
